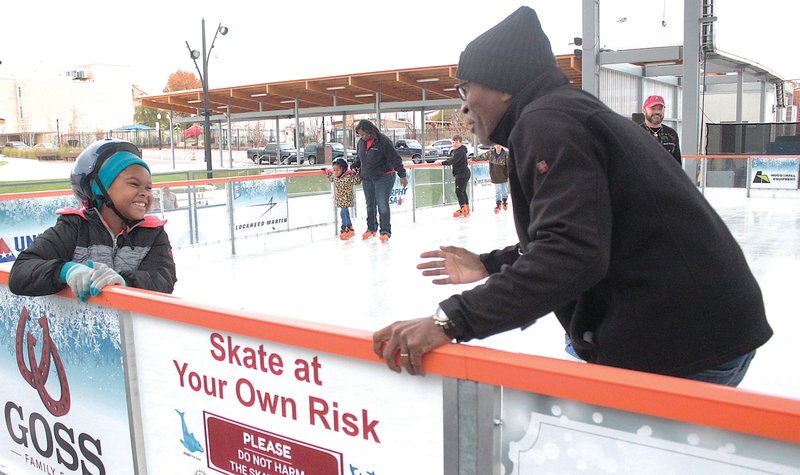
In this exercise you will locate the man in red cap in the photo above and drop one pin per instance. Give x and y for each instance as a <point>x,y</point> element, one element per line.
<point>653,123</point>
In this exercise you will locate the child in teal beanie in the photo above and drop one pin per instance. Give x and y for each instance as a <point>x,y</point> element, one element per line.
<point>110,241</point>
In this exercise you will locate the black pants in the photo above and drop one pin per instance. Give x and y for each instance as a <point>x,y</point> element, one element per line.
<point>461,189</point>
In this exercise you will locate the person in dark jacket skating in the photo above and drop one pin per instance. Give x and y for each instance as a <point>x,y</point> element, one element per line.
<point>110,241</point>
<point>638,268</point>
<point>458,160</point>
<point>378,164</point>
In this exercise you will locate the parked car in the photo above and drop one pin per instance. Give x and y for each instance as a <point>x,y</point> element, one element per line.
<point>444,148</point>
<point>484,148</point>
<point>46,145</point>
<point>269,154</point>
<point>16,144</point>
<point>313,151</point>
<point>409,148</point>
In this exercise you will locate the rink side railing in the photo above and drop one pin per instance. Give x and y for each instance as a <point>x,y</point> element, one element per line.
<point>203,387</point>
<point>232,209</point>
<point>765,172</point>
<point>249,206</point>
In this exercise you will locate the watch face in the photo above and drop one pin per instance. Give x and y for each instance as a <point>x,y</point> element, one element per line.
<point>440,316</point>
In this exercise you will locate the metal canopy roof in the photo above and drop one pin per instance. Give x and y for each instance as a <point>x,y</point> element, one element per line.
<point>416,86</point>
<point>667,61</point>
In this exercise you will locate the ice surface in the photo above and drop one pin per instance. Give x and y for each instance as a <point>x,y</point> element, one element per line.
<point>312,275</point>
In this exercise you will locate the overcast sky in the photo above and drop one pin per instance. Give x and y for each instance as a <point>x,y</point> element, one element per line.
<point>299,39</point>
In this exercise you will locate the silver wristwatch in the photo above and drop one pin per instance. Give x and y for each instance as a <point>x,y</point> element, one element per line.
<point>440,318</point>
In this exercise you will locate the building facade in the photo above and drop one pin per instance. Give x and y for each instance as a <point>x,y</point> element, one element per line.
<point>41,107</point>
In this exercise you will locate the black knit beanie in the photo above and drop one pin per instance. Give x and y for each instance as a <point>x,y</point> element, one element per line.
<point>509,55</point>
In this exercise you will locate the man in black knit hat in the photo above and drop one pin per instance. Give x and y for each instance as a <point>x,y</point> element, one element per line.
<point>638,268</point>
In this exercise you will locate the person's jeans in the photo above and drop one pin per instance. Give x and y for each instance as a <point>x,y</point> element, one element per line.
<point>728,374</point>
<point>376,194</point>
<point>500,191</point>
<point>461,189</point>
<point>345,214</point>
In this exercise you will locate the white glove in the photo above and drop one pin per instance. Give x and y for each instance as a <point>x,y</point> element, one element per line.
<point>78,277</point>
<point>102,276</point>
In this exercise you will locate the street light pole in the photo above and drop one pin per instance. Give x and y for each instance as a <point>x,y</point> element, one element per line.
<point>204,80</point>
<point>206,110</point>
<point>158,129</point>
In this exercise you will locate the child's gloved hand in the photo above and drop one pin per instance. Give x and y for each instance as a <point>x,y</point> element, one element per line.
<point>102,276</point>
<point>78,277</point>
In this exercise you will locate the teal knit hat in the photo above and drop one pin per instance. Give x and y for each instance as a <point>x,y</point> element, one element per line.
<point>113,166</point>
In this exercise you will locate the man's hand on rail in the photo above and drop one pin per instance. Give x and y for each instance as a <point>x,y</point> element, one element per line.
<point>402,344</point>
<point>456,264</point>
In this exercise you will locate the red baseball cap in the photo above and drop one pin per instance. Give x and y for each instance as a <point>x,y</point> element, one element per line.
<point>654,101</point>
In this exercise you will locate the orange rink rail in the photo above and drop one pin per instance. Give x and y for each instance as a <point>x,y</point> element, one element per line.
<point>654,395</point>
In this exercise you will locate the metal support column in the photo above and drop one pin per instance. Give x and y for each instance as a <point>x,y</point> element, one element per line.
<point>590,71</point>
<point>475,152</point>
<point>219,137</point>
<point>230,137</point>
<point>345,128</point>
<point>231,218</point>
<point>297,130</point>
<point>471,434</point>
<point>378,109</point>
<point>739,108</point>
<point>762,113</point>
<point>171,139</point>
<point>690,112</point>
<point>739,93</point>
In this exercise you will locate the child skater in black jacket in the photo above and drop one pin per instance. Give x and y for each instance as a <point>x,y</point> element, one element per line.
<point>461,173</point>
<point>110,241</point>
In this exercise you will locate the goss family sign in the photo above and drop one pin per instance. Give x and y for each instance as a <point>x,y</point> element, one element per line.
<point>64,400</point>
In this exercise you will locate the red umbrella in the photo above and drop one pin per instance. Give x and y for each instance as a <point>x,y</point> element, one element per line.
<point>193,132</point>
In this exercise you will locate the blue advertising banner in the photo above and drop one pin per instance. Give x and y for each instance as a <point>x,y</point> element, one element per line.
<point>480,175</point>
<point>64,400</point>
<point>398,199</point>
<point>22,220</point>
